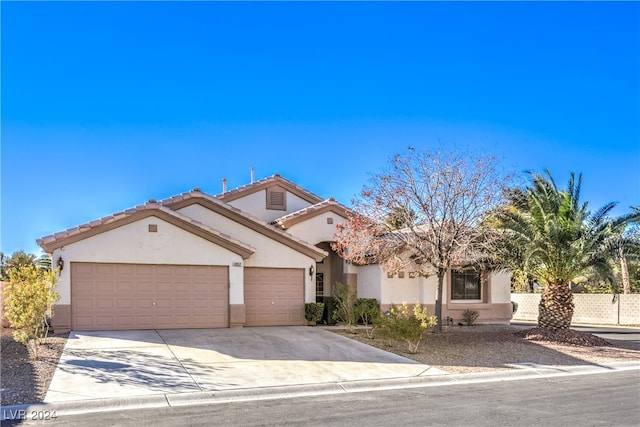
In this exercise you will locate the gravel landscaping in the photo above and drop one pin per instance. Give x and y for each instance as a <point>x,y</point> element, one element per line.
<point>23,380</point>
<point>456,350</point>
<point>484,348</point>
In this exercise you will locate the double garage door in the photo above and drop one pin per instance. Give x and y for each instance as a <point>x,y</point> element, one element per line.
<point>142,296</point>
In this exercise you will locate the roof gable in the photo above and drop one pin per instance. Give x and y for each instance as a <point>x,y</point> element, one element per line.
<point>102,225</point>
<point>329,205</point>
<point>263,184</point>
<point>237,215</point>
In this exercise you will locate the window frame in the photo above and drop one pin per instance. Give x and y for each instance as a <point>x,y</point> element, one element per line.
<point>319,283</point>
<point>466,273</point>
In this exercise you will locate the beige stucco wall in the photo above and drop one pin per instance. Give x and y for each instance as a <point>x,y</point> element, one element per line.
<point>374,283</point>
<point>133,243</point>
<point>316,229</point>
<point>256,203</point>
<point>369,277</point>
<point>417,290</point>
<point>268,252</point>
<point>500,287</point>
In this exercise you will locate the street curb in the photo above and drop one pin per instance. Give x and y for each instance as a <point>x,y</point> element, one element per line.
<point>523,371</point>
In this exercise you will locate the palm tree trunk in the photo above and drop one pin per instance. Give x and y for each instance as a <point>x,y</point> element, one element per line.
<point>556,307</point>
<point>624,271</point>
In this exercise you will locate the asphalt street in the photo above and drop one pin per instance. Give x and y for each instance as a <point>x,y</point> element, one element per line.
<point>609,399</point>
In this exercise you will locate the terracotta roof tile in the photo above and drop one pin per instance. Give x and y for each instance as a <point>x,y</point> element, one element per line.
<point>96,224</point>
<point>311,211</point>
<point>269,227</point>
<point>261,183</point>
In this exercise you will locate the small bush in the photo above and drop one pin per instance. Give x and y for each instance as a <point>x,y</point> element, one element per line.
<point>345,303</point>
<point>313,311</point>
<point>367,311</point>
<point>399,325</point>
<point>470,317</point>
<point>29,297</point>
<point>329,308</point>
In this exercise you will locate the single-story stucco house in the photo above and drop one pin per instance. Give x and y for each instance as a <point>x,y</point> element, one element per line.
<point>251,256</point>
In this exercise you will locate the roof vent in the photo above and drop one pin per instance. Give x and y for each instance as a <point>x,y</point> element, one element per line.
<point>197,190</point>
<point>152,201</point>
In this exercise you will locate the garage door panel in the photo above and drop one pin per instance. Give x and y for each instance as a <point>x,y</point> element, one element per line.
<point>129,296</point>
<point>142,270</point>
<point>122,269</point>
<point>274,296</point>
<point>127,287</point>
<point>141,322</point>
<point>84,304</point>
<point>104,269</point>
<point>124,303</point>
<point>105,321</point>
<point>124,320</point>
<point>84,322</point>
<point>104,304</point>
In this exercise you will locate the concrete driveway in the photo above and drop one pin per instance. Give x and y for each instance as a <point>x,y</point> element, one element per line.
<point>97,365</point>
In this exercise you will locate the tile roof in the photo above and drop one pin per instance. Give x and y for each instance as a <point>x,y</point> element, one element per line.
<point>310,211</point>
<point>265,182</point>
<point>269,230</point>
<point>74,234</point>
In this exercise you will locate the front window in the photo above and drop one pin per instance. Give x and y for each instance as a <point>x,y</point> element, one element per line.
<point>465,285</point>
<point>319,284</point>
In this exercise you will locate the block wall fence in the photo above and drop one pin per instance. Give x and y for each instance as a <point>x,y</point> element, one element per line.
<point>599,309</point>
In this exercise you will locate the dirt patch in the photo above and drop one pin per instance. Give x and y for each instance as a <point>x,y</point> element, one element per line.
<point>23,380</point>
<point>484,348</point>
<point>564,336</point>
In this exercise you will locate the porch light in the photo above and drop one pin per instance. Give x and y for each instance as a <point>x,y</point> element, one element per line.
<point>311,271</point>
<point>60,263</point>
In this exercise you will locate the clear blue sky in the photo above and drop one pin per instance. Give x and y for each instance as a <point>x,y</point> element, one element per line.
<point>106,105</point>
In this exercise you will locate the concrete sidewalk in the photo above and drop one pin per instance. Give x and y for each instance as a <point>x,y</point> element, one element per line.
<point>74,407</point>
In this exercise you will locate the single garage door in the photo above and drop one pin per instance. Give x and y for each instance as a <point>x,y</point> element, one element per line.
<point>142,296</point>
<point>274,296</point>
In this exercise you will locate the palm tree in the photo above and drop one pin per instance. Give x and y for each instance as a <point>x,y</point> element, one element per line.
<point>627,245</point>
<point>557,239</point>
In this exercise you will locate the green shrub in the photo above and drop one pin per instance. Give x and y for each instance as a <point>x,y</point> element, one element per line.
<point>470,317</point>
<point>29,296</point>
<point>367,309</point>
<point>399,324</point>
<point>313,311</point>
<point>329,308</point>
<point>345,303</point>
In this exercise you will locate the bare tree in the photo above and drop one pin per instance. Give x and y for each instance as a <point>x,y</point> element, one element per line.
<point>439,200</point>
